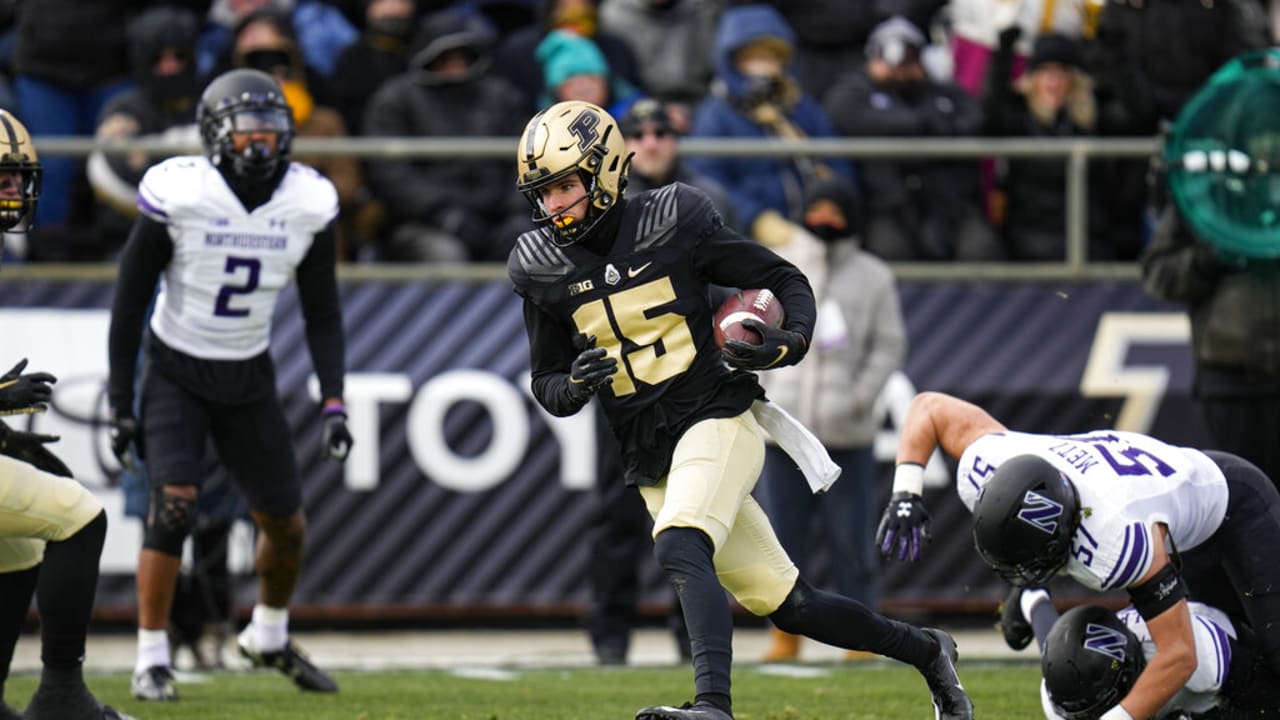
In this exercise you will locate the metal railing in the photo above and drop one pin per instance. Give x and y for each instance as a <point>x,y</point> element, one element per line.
<point>1075,152</point>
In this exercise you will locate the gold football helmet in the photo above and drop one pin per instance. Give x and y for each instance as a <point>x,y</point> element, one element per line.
<point>568,137</point>
<point>19,173</point>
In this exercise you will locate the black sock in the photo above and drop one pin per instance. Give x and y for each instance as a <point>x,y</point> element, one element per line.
<point>64,596</point>
<point>844,622</point>
<point>16,589</point>
<point>685,555</point>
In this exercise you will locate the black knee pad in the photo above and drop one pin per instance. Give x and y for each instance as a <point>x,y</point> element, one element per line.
<point>169,522</point>
<point>678,548</point>
<point>791,614</point>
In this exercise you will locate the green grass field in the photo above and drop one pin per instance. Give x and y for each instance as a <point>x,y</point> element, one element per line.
<point>863,691</point>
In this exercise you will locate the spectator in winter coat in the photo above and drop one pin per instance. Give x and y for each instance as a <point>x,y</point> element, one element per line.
<point>447,209</point>
<point>756,96</point>
<point>919,209</point>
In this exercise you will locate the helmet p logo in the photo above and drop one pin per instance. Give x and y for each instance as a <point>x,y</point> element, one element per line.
<point>1105,641</point>
<point>1040,512</point>
<point>583,128</point>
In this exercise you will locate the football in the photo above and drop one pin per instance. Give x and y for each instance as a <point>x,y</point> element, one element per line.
<point>759,304</point>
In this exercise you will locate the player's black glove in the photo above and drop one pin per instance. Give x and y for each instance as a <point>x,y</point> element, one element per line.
<point>30,448</point>
<point>335,438</point>
<point>125,434</point>
<point>25,393</point>
<point>904,526</point>
<point>590,371</point>
<point>777,348</point>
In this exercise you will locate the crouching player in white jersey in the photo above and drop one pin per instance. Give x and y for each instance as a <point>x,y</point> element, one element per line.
<point>1111,510</point>
<point>51,527</point>
<point>224,233</point>
<point>1091,657</point>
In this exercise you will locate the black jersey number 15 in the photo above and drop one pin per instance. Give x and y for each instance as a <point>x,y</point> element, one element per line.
<point>666,346</point>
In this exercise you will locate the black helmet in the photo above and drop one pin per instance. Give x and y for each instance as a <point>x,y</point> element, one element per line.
<point>1091,660</point>
<point>243,101</point>
<point>18,155</point>
<point>1024,519</point>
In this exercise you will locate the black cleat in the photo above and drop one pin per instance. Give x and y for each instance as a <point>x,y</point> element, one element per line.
<point>950,701</point>
<point>1013,626</point>
<point>8,713</point>
<point>687,711</point>
<point>68,703</point>
<point>289,661</point>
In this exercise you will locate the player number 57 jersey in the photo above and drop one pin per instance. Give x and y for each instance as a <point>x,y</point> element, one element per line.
<point>219,291</point>
<point>1126,482</point>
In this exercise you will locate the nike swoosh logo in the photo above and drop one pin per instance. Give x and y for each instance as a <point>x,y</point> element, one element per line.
<point>782,352</point>
<point>632,272</point>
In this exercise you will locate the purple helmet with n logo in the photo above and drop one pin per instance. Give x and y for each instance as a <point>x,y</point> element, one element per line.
<point>1091,660</point>
<point>1024,519</point>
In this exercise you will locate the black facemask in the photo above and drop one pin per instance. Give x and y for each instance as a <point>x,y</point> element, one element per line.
<point>172,90</point>
<point>397,28</point>
<point>269,61</point>
<point>826,233</point>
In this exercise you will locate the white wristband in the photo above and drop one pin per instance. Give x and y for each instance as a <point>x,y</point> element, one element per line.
<point>909,478</point>
<point>1116,713</point>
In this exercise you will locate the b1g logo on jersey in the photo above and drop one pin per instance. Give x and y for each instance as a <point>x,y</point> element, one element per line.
<point>580,287</point>
<point>1105,641</point>
<point>1040,512</point>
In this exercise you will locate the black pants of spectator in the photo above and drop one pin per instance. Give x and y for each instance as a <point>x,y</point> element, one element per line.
<point>621,540</point>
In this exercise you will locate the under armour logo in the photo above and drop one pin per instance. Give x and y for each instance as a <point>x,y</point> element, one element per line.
<point>904,509</point>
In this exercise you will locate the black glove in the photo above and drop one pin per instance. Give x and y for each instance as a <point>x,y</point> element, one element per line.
<point>335,438</point>
<point>591,370</point>
<point>125,433</point>
<point>777,348</point>
<point>30,448</point>
<point>904,525</point>
<point>25,393</point>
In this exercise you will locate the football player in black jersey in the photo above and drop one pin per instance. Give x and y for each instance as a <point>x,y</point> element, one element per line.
<point>51,527</point>
<point>616,307</point>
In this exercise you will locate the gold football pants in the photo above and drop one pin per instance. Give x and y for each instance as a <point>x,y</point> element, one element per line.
<point>715,466</point>
<point>36,506</point>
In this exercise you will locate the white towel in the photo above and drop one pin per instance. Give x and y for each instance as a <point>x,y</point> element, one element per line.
<point>795,440</point>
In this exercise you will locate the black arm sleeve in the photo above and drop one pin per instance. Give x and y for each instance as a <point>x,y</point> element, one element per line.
<point>551,353</point>
<point>145,255</point>
<point>318,292</point>
<point>731,260</point>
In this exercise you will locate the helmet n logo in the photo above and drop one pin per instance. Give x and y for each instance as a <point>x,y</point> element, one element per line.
<point>1105,641</point>
<point>1040,512</point>
<point>583,127</point>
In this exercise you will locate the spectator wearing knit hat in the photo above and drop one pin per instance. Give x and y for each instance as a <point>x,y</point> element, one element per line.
<point>1053,98</point>
<point>447,209</point>
<point>573,68</point>
<point>923,208</point>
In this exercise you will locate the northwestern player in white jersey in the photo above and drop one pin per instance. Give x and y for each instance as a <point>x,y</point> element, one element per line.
<point>51,527</point>
<point>223,233</point>
<point>1112,510</point>
<point>1091,656</point>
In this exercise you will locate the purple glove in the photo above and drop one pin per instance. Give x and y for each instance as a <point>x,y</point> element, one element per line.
<point>904,526</point>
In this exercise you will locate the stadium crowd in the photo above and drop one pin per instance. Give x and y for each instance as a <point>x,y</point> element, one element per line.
<point>724,68</point>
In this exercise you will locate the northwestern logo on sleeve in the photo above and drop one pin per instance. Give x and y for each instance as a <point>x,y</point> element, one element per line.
<point>1040,512</point>
<point>244,240</point>
<point>1105,641</point>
